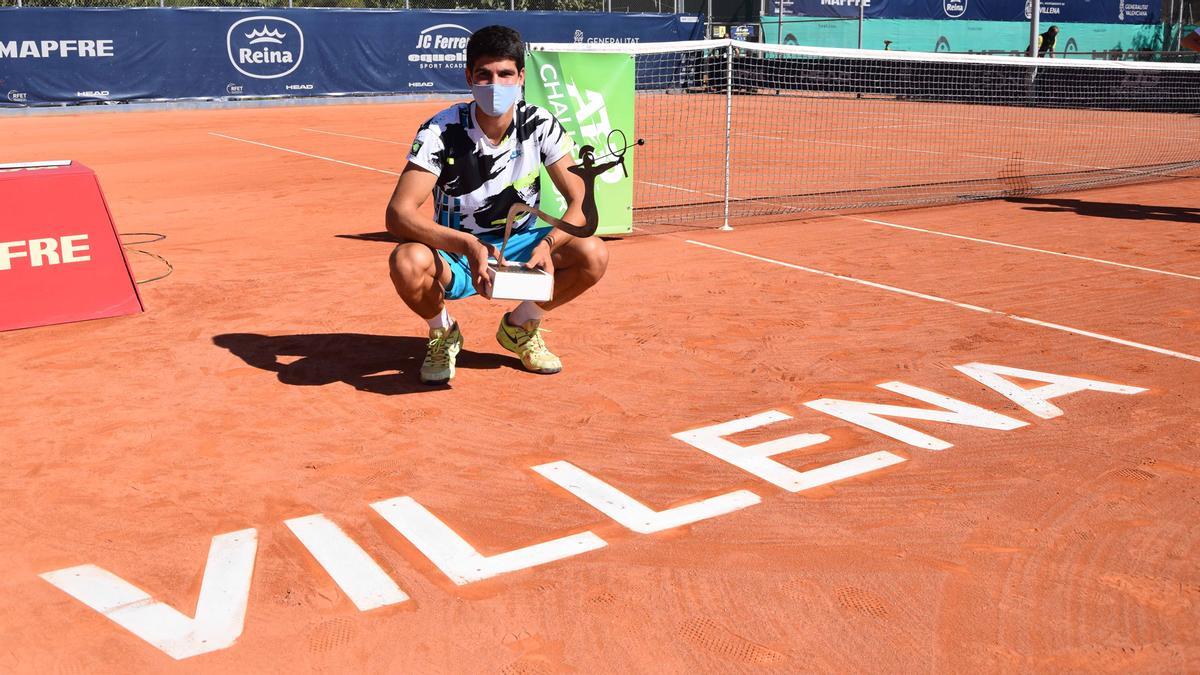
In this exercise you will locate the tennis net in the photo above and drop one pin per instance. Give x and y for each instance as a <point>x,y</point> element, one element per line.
<point>738,130</point>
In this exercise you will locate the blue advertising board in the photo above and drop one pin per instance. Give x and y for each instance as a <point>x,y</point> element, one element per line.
<point>77,55</point>
<point>1066,11</point>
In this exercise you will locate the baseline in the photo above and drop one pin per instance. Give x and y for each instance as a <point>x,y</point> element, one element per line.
<point>305,154</point>
<point>993,242</point>
<point>963,305</point>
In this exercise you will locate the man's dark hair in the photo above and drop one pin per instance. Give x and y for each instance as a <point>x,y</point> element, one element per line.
<point>497,42</point>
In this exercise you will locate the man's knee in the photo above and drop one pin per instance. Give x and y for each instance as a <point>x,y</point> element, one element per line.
<point>412,261</point>
<point>591,256</point>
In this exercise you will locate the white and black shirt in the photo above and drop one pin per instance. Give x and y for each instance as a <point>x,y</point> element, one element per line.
<point>477,180</point>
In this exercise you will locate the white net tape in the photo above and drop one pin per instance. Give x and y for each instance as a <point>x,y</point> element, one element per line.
<point>740,130</point>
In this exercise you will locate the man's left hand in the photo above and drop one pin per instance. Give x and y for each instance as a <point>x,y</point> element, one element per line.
<point>541,258</point>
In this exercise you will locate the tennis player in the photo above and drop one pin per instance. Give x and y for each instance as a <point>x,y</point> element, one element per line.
<point>478,159</point>
<point>1047,40</point>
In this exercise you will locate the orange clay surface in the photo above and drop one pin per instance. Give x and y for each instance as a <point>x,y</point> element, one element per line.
<point>273,376</point>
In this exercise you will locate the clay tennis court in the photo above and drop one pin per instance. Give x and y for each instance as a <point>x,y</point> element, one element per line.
<point>273,378</point>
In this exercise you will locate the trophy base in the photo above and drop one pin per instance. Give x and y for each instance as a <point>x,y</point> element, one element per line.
<point>514,282</point>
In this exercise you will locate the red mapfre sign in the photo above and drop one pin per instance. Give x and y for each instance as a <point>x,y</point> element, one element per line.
<point>60,258</point>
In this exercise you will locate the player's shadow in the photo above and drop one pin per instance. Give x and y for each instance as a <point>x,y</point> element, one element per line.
<point>379,364</point>
<point>1179,214</point>
<point>385,236</point>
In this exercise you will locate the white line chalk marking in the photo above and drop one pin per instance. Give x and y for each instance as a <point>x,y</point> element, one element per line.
<point>359,577</point>
<point>756,459</point>
<point>457,559</point>
<point>974,308</point>
<point>1027,248</point>
<point>633,514</point>
<point>305,154</point>
<point>954,411</point>
<point>220,611</point>
<point>361,138</point>
<point>1037,400</point>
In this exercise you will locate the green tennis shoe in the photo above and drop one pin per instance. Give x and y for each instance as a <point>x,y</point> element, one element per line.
<point>444,346</point>
<point>526,342</point>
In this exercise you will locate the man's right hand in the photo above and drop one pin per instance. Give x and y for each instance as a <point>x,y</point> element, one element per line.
<point>477,258</point>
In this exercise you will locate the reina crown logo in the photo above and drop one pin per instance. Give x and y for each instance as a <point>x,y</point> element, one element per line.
<point>954,8</point>
<point>265,47</point>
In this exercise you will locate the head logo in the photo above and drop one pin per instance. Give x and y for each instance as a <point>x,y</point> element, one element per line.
<point>265,47</point>
<point>578,36</point>
<point>441,46</point>
<point>954,8</point>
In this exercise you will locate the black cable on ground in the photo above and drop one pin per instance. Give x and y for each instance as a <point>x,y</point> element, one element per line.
<point>151,238</point>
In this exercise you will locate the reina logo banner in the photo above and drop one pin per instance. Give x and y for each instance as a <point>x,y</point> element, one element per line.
<point>265,47</point>
<point>954,8</point>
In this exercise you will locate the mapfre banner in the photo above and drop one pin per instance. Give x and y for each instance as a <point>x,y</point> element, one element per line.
<point>60,259</point>
<point>1065,11</point>
<point>76,55</point>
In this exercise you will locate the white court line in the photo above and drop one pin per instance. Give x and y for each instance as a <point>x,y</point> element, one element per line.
<point>306,154</point>
<point>361,138</point>
<point>974,308</point>
<point>352,569</point>
<point>672,187</point>
<point>950,154</point>
<point>1050,125</point>
<point>1026,248</point>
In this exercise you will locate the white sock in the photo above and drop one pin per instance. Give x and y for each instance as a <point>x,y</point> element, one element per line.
<point>525,312</point>
<point>442,320</point>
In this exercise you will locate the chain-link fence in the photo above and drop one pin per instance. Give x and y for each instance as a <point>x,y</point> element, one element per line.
<point>652,6</point>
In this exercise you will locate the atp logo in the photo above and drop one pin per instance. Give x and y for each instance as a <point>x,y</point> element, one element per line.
<point>591,114</point>
<point>265,47</point>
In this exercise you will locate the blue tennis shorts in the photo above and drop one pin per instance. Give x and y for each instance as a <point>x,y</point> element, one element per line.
<point>520,247</point>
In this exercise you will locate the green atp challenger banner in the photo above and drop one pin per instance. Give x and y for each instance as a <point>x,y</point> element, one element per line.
<point>592,95</point>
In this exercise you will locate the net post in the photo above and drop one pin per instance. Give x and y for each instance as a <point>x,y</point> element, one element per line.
<point>1035,11</point>
<point>728,126</point>
<point>1181,28</point>
<point>861,12</point>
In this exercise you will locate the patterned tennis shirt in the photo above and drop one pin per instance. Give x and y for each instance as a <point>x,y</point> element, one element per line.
<point>477,180</point>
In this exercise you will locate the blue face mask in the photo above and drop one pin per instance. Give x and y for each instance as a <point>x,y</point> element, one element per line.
<point>496,99</point>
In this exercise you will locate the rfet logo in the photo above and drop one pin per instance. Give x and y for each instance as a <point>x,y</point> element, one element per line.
<point>265,47</point>
<point>954,8</point>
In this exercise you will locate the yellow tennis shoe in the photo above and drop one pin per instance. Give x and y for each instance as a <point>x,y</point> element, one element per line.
<point>526,342</point>
<point>444,346</point>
